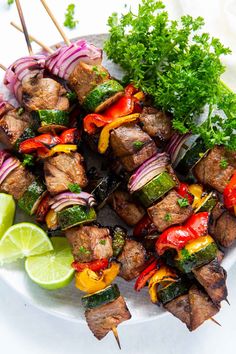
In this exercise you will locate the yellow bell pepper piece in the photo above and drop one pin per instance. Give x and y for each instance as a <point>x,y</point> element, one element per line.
<point>196,190</point>
<point>90,282</point>
<point>196,245</point>
<point>140,95</point>
<point>51,219</point>
<point>105,133</point>
<point>66,148</point>
<point>162,274</point>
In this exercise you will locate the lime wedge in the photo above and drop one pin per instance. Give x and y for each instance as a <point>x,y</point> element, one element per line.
<point>23,240</point>
<point>52,270</point>
<point>7,212</point>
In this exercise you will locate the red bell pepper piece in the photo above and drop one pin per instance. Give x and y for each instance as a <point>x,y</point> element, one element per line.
<point>43,208</point>
<point>144,227</point>
<point>69,136</point>
<point>47,139</point>
<point>93,121</point>
<point>30,145</point>
<point>123,107</point>
<point>146,274</point>
<point>230,193</point>
<point>184,192</point>
<point>175,237</point>
<point>130,90</point>
<point>96,265</point>
<point>198,223</point>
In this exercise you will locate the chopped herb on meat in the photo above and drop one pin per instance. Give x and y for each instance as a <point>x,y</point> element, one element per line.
<point>102,242</point>
<point>28,160</point>
<point>223,164</point>
<point>138,144</point>
<point>183,202</point>
<point>74,188</point>
<point>20,111</point>
<point>70,22</point>
<point>167,217</point>
<point>84,250</point>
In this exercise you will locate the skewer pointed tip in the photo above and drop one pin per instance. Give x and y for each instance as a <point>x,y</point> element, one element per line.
<point>114,330</point>
<point>212,319</point>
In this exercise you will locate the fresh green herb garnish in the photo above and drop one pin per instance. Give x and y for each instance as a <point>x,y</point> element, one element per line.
<point>84,250</point>
<point>183,202</point>
<point>179,66</point>
<point>138,144</point>
<point>70,22</point>
<point>10,2</point>
<point>20,111</point>
<point>223,164</point>
<point>167,217</point>
<point>99,72</point>
<point>74,188</point>
<point>72,97</point>
<point>102,242</point>
<point>185,253</point>
<point>28,160</point>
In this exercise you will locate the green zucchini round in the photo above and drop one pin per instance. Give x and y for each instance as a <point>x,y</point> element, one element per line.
<point>209,203</point>
<point>188,261</point>
<point>155,189</point>
<point>102,297</point>
<point>96,98</point>
<point>173,290</point>
<point>52,117</point>
<point>75,215</point>
<point>32,197</point>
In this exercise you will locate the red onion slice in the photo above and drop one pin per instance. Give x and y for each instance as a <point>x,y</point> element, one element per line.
<point>65,199</point>
<point>147,171</point>
<point>175,145</point>
<point>7,167</point>
<point>3,155</point>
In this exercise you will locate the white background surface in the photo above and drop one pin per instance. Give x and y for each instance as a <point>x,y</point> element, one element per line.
<point>24,329</point>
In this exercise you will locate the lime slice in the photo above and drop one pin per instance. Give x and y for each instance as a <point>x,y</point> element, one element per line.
<point>52,270</point>
<point>7,212</point>
<point>22,240</point>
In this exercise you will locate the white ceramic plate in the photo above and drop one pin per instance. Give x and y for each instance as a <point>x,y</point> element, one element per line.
<point>66,302</point>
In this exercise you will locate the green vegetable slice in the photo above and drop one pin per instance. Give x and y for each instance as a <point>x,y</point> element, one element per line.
<point>75,215</point>
<point>102,297</point>
<point>32,197</point>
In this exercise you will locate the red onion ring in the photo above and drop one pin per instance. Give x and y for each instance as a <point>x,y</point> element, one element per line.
<point>7,167</point>
<point>62,200</point>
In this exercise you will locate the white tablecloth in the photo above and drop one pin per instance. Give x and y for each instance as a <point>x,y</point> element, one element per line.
<point>23,328</point>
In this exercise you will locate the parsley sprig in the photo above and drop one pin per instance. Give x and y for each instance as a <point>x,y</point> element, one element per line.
<point>179,66</point>
<point>70,21</point>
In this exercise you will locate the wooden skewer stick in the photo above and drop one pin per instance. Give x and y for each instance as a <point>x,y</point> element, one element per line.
<point>114,330</point>
<point>212,319</point>
<point>20,12</point>
<point>3,67</point>
<point>32,38</point>
<point>66,40</point>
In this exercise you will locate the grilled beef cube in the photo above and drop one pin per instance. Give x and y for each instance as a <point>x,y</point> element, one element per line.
<point>168,211</point>
<point>43,93</point>
<point>132,260</point>
<point>209,171</point>
<point>62,170</point>
<point>202,308</point>
<point>193,308</point>
<point>85,78</point>
<point>90,243</point>
<point>156,123</point>
<point>102,319</point>
<point>213,279</point>
<point>127,209</point>
<point>6,107</point>
<point>12,126</point>
<point>17,182</point>
<point>180,308</point>
<point>222,226</point>
<point>132,146</point>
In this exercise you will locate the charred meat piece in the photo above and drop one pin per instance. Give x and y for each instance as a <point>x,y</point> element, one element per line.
<point>13,125</point>
<point>90,243</point>
<point>17,182</point>
<point>213,279</point>
<point>201,307</point>
<point>168,212</point>
<point>85,78</point>
<point>156,123</point>
<point>193,308</point>
<point>180,308</point>
<point>43,93</point>
<point>62,170</point>
<point>222,226</point>
<point>5,108</point>
<point>132,260</point>
<point>127,209</point>
<point>102,319</point>
<point>132,146</point>
<point>210,172</point>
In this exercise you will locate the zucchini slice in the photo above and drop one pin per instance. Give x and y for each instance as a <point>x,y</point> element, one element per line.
<point>52,117</point>
<point>75,215</point>
<point>209,203</point>
<point>155,189</point>
<point>95,100</point>
<point>102,297</point>
<point>173,290</point>
<point>204,250</point>
<point>32,197</point>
